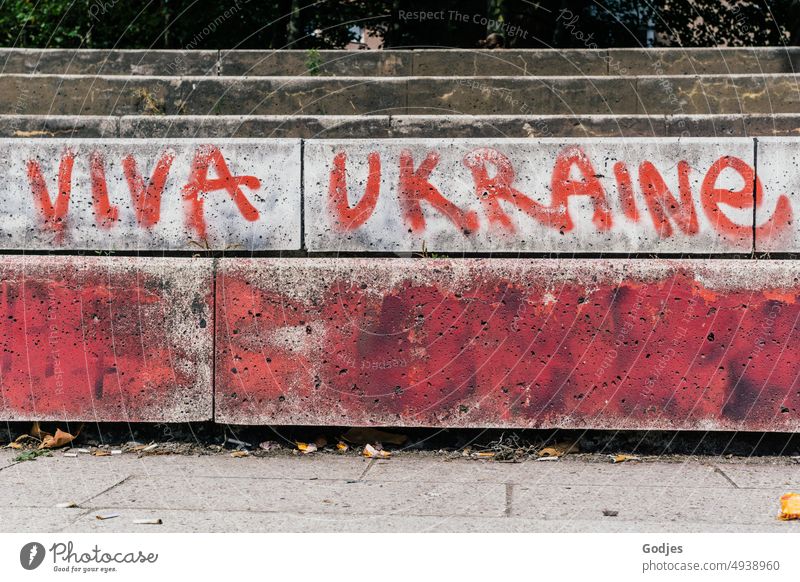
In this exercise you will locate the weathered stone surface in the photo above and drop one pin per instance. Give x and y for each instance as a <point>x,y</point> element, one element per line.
<point>779,185</point>
<point>106,339</point>
<point>97,95</point>
<point>703,61</point>
<point>527,126</point>
<point>256,126</point>
<point>521,95</point>
<point>736,94</point>
<point>623,344</point>
<point>388,63</point>
<point>512,63</point>
<point>393,63</point>
<point>295,96</point>
<point>593,195</point>
<point>150,195</point>
<point>108,62</point>
<point>565,96</point>
<point>399,126</point>
<point>63,126</point>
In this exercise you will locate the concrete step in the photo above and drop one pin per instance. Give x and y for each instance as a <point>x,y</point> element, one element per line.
<point>460,62</point>
<point>389,126</point>
<point>652,95</point>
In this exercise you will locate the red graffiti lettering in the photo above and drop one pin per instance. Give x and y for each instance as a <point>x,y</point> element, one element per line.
<point>625,188</point>
<point>347,217</point>
<point>55,215</point>
<point>415,187</point>
<point>564,186</point>
<point>491,191</point>
<point>199,183</point>
<point>743,198</point>
<point>104,212</point>
<point>660,201</point>
<point>147,199</point>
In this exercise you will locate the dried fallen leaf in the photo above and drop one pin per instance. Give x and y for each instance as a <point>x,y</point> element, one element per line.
<point>790,506</point>
<point>13,446</point>
<point>37,432</point>
<point>58,440</point>
<point>559,449</point>
<point>151,521</point>
<point>306,448</point>
<point>372,453</point>
<point>101,453</point>
<point>342,447</point>
<point>365,436</point>
<point>239,454</point>
<point>625,458</point>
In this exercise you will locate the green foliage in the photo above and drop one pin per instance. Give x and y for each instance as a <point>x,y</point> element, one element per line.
<point>726,22</point>
<point>313,62</point>
<point>310,25</point>
<point>32,455</point>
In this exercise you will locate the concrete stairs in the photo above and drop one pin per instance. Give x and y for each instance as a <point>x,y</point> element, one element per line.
<point>622,283</point>
<point>399,93</point>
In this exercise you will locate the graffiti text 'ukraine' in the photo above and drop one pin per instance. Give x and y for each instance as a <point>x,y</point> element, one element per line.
<point>573,175</point>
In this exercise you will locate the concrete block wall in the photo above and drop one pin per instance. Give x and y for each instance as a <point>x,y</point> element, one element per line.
<point>444,267</point>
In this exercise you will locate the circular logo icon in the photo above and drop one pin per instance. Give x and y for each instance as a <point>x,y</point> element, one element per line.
<point>31,555</point>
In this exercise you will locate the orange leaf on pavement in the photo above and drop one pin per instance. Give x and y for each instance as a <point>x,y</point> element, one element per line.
<point>58,440</point>
<point>790,506</point>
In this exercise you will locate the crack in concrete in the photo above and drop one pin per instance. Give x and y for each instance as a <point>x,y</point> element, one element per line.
<point>725,475</point>
<point>509,498</point>
<point>11,465</point>
<point>106,490</point>
<point>366,469</point>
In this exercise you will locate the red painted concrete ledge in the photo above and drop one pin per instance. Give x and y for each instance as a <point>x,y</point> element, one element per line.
<point>105,339</point>
<point>617,344</point>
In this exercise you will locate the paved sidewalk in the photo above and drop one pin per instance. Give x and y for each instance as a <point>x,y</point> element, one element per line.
<point>409,492</point>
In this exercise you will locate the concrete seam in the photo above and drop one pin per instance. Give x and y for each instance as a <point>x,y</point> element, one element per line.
<point>366,469</point>
<point>509,499</point>
<point>213,315</point>
<point>302,196</point>
<point>755,186</point>
<point>11,465</point>
<point>725,475</point>
<point>106,490</point>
